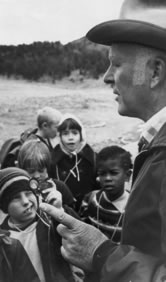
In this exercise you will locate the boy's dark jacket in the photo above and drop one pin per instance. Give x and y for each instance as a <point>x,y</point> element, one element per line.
<point>144,226</point>
<point>49,243</point>
<point>15,265</point>
<point>86,160</point>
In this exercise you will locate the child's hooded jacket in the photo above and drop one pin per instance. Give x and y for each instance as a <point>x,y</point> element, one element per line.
<point>76,169</point>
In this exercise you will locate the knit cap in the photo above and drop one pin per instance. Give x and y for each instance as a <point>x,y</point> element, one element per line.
<point>12,181</point>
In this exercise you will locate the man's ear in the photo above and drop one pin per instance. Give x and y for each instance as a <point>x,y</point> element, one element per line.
<point>128,175</point>
<point>44,125</point>
<point>158,67</point>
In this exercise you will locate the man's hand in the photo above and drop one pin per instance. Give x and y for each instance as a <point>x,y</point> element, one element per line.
<point>79,240</point>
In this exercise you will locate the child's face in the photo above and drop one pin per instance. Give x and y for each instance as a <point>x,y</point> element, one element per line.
<point>50,129</point>
<point>71,139</point>
<point>22,208</point>
<point>40,175</point>
<point>111,175</point>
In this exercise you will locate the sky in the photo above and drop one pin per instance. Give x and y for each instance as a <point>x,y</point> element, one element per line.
<point>28,21</point>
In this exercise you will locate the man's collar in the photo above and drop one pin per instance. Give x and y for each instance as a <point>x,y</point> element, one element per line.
<point>152,126</point>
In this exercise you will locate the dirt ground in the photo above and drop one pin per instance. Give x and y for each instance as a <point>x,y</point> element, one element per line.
<point>92,101</point>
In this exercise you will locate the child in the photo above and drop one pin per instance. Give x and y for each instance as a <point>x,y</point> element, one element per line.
<point>74,159</point>
<point>48,120</point>
<point>15,265</point>
<point>104,208</point>
<point>32,228</point>
<point>35,158</point>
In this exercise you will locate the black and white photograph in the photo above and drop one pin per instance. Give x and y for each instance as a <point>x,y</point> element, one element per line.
<point>83,141</point>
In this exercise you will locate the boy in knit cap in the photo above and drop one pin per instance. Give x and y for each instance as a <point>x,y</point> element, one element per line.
<point>36,232</point>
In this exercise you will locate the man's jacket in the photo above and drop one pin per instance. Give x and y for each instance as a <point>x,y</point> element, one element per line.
<point>144,225</point>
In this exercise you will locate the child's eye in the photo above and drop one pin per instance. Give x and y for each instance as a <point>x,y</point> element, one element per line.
<point>15,197</point>
<point>102,173</point>
<point>114,172</point>
<point>65,132</point>
<point>75,132</point>
<point>31,170</point>
<point>28,193</point>
<point>41,170</point>
<point>34,170</point>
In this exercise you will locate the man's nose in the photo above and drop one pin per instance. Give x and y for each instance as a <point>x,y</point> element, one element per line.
<point>108,77</point>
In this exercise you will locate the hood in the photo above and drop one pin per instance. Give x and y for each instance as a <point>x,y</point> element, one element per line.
<point>82,143</point>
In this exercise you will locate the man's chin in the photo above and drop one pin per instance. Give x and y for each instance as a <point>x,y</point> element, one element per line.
<point>121,112</point>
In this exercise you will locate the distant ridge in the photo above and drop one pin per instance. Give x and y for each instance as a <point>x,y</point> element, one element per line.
<point>84,42</point>
<point>43,61</point>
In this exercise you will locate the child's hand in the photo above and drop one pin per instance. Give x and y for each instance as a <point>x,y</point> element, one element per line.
<point>53,197</point>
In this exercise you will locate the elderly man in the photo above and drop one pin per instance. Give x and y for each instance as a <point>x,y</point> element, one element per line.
<point>137,75</point>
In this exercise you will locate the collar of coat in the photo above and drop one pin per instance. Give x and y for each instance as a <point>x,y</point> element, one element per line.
<point>153,126</point>
<point>86,153</point>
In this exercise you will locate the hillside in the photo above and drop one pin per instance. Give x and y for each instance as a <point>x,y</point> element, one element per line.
<point>52,61</point>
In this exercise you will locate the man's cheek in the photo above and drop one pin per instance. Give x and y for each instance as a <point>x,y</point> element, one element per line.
<point>139,72</point>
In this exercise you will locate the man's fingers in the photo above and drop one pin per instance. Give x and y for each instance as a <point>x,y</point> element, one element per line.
<point>59,215</point>
<point>63,252</point>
